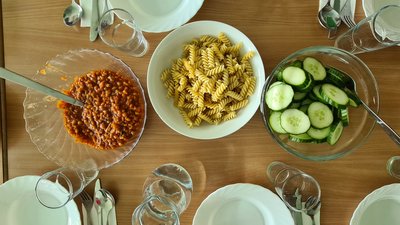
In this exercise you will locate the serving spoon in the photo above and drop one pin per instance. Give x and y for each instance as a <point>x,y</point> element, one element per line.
<point>72,14</point>
<point>21,80</point>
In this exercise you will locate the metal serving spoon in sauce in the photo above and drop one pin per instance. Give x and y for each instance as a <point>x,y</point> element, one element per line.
<point>19,79</point>
<point>329,18</point>
<point>72,14</point>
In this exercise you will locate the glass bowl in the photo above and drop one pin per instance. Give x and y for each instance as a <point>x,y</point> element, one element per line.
<point>361,124</point>
<point>44,120</point>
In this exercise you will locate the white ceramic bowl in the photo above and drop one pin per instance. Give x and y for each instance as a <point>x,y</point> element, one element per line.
<point>169,49</point>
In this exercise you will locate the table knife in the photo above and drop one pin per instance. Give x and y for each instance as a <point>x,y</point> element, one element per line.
<point>94,21</point>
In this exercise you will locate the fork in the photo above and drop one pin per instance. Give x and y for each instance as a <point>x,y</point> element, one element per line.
<point>346,15</point>
<point>87,203</point>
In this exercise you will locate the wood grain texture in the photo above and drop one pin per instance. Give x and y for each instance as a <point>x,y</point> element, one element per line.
<point>34,33</point>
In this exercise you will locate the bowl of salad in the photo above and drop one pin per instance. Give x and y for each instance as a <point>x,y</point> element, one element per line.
<point>311,105</point>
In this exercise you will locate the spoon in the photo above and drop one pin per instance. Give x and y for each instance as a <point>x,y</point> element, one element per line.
<point>329,18</point>
<point>104,202</point>
<point>19,79</point>
<point>72,14</point>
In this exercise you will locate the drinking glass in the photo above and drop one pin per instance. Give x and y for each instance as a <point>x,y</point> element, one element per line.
<point>393,167</point>
<point>300,191</point>
<point>167,193</point>
<point>118,29</point>
<point>380,30</point>
<point>69,182</point>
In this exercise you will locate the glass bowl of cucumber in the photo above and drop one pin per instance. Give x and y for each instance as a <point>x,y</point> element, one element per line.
<point>311,104</point>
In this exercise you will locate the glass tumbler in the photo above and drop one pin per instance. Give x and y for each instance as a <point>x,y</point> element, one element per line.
<point>117,29</point>
<point>380,30</point>
<point>167,193</point>
<point>299,191</point>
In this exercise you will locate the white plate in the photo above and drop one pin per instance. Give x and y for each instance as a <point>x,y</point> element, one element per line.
<point>240,204</point>
<point>169,49</point>
<point>381,207</point>
<point>159,15</point>
<point>19,206</point>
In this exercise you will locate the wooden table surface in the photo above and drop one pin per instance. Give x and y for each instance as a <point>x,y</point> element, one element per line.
<point>34,33</point>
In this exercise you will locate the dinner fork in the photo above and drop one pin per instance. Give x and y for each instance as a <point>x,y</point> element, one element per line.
<point>346,15</point>
<point>87,203</point>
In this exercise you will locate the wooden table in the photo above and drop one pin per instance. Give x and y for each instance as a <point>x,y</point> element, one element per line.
<point>34,33</point>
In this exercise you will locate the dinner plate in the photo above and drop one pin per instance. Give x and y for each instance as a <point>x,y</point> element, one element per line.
<point>242,203</point>
<point>170,49</point>
<point>19,206</point>
<point>159,15</point>
<point>380,207</point>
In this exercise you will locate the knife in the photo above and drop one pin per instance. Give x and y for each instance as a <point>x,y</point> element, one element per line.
<point>94,214</point>
<point>94,22</point>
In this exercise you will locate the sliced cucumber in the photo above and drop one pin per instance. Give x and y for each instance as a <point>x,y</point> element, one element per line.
<point>297,63</point>
<point>295,121</point>
<point>275,83</point>
<point>308,86</point>
<point>298,96</point>
<point>295,76</point>
<point>275,122</point>
<point>304,108</point>
<point>335,133</point>
<point>301,138</point>
<point>279,97</point>
<point>337,77</point>
<point>294,105</point>
<point>354,100</point>
<point>334,96</point>
<point>316,93</point>
<point>320,115</point>
<point>343,115</point>
<point>307,101</point>
<point>315,68</point>
<point>319,134</point>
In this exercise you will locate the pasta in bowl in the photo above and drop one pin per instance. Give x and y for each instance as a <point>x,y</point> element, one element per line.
<point>205,79</point>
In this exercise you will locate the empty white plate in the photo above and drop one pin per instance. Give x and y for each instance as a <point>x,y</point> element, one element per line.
<point>381,207</point>
<point>19,206</point>
<point>239,204</point>
<point>159,15</point>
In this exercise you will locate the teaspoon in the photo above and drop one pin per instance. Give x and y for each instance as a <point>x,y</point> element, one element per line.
<point>329,18</point>
<point>72,14</point>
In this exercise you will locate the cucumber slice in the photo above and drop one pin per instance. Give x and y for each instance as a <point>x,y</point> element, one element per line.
<point>301,138</point>
<point>320,115</point>
<point>319,134</point>
<point>298,96</point>
<point>334,96</point>
<point>279,97</point>
<point>295,121</point>
<point>295,76</point>
<point>354,100</point>
<point>275,83</point>
<point>297,63</point>
<point>275,122</point>
<point>338,77</point>
<point>316,93</point>
<point>308,86</point>
<point>294,105</point>
<point>307,101</point>
<point>304,108</point>
<point>335,133</point>
<point>315,68</point>
<point>343,115</point>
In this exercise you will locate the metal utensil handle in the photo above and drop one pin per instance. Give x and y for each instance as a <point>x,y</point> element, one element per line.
<point>389,131</point>
<point>19,79</point>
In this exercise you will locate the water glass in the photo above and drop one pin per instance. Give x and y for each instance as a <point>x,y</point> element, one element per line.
<point>393,167</point>
<point>69,184</point>
<point>300,191</point>
<point>167,193</point>
<point>118,29</point>
<point>380,30</point>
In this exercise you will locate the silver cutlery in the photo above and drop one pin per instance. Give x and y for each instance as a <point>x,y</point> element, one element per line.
<point>314,210</point>
<point>87,204</point>
<point>389,131</point>
<point>72,14</point>
<point>329,18</point>
<point>346,15</point>
<point>106,202</point>
<point>21,80</point>
<point>94,21</point>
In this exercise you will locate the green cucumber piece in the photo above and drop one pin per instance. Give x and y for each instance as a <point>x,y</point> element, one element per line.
<point>315,68</point>
<point>295,121</point>
<point>343,115</point>
<point>275,83</point>
<point>354,100</point>
<point>279,97</point>
<point>295,76</point>
<point>319,134</point>
<point>320,115</point>
<point>335,133</point>
<point>298,96</point>
<point>297,63</point>
<point>334,96</point>
<point>294,105</point>
<point>301,138</point>
<point>338,77</point>
<point>316,93</point>
<point>304,108</point>
<point>275,122</point>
